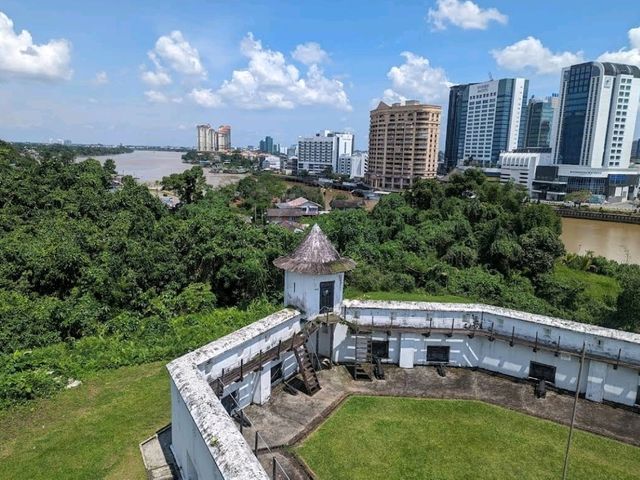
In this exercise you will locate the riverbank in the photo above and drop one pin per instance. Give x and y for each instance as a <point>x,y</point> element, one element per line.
<point>604,216</point>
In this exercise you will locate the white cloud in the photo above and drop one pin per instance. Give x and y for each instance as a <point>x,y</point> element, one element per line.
<point>269,81</point>
<point>101,78</point>
<point>630,56</point>
<point>416,79</point>
<point>531,53</point>
<point>205,97</point>
<point>466,15</point>
<point>154,96</point>
<point>155,79</point>
<point>310,53</point>
<point>179,54</point>
<point>20,57</point>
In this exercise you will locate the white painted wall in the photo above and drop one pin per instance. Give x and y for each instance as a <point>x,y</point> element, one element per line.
<point>303,291</point>
<point>617,385</point>
<point>187,443</point>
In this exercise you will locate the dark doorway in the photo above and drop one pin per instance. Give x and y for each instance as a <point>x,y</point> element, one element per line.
<point>380,348</point>
<point>638,396</point>
<point>438,354</point>
<point>230,402</point>
<point>540,371</point>
<point>276,374</point>
<point>326,296</point>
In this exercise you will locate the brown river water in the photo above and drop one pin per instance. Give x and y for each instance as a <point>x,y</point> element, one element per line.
<point>616,241</point>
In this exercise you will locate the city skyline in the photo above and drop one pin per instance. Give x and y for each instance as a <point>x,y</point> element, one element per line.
<point>154,80</point>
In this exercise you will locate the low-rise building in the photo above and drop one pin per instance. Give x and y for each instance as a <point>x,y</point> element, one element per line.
<point>271,162</point>
<point>346,204</point>
<point>307,206</point>
<point>275,215</point>
<point>553,182</point>
<point>520,166</point>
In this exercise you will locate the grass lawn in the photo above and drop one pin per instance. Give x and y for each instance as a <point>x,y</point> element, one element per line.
<point>90,432</point>
<point>598,287</point>
<point>382,438</point>
<point>405,297</point>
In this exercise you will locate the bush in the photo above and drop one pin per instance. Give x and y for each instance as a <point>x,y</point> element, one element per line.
<point>28,374</point>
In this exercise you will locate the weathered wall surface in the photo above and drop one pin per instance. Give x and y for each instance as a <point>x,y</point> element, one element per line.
<point>600,381</point>
<point>205,440</point>
<point>303,291</point>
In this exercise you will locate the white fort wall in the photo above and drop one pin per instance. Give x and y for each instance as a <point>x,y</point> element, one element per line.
<point>605,376</point>
<point>207,444</point>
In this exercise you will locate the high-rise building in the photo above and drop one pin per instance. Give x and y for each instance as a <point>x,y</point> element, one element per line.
<point>539,119</point>
<point>204,138</point>
<point>316,154</point>
<point>211,140</point>
<point>403,144</point>
<point>484,120</point>
<point>456,125</point>
<point>592,134</point>
<point>596,118</point>
<point>345,143</point>
<point>266,145</point>
<point>224,137</point>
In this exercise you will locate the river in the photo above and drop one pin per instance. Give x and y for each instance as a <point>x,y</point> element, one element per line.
<point>615,241</point>
<point>149,166</point>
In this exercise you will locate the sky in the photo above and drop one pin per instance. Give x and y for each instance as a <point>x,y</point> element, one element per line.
<point>146,72</point>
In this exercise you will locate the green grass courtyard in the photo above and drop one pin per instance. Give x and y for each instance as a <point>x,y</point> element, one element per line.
<point>397,438</point>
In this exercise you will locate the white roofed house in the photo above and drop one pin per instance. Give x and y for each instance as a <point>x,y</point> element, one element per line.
<point>307,206</point>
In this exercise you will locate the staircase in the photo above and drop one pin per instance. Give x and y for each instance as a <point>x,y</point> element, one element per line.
<point>309,376</point>
<point>362,369</point>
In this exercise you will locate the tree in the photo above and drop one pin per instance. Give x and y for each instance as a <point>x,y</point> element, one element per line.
<point>627,315</point>
<point>189,185</point>
<point>579,197</point>
<point>541,247</point>
<point>425,194</point>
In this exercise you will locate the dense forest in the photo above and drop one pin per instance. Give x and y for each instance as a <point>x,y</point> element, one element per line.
<point>66,152</point>
<point>95,274</point>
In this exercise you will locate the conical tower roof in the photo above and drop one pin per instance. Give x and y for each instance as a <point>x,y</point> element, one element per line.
<point>315,256</point>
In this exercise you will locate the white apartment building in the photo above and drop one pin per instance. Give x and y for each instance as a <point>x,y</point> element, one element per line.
<point>205,140</point>
<point>355,165</point>
<point>317,153</point>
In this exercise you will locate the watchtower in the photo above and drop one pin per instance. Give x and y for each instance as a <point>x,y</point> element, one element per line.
<point>314,275</point>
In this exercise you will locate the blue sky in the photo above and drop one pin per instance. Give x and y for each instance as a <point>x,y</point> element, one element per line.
<point>147,72</point>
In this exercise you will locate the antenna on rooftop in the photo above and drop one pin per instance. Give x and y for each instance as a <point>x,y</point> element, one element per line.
<point>490,77</point>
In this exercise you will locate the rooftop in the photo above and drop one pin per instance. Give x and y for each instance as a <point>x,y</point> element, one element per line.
<point>315,256</point>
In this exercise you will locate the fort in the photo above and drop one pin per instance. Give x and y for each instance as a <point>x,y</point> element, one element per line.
<point>233,399</point>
